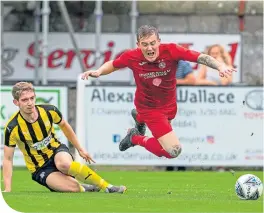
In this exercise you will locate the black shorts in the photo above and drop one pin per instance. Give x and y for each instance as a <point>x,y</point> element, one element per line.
<point>43,172</point>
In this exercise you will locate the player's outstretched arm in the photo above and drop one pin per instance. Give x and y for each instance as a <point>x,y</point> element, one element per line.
<point>8,167</point>
<point>71,136</point>
<point>209,61</point>
<point>105,69</point>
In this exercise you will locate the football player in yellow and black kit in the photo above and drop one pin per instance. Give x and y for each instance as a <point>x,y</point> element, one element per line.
<point>48,160</point>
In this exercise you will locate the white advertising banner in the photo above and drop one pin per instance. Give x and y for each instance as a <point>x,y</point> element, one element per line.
<point>215,125</point>
<point>57,96</point>
<point>63,65</point>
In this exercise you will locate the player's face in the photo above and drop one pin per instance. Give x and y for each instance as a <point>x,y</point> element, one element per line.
<point>215,52</point>
<point>26,102</point>
<point>150,47</point>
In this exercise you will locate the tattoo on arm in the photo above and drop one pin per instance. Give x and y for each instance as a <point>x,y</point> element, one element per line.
<point>208,61</point>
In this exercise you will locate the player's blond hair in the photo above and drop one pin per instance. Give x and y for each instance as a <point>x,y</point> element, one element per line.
<point>145,31</point>
<point>20,87</point>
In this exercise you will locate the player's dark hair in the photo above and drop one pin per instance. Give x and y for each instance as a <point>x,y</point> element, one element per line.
<point>145,31</point>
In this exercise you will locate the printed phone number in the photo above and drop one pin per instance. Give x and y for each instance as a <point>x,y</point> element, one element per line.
<point>206,112</point>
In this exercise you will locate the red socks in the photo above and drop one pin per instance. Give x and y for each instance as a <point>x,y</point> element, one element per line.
<point>150,144</point>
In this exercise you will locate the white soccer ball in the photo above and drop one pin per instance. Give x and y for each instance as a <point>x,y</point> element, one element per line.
<point>248,187</point>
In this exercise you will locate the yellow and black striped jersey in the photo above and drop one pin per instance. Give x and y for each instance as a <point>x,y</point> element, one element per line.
<point>37,141</point>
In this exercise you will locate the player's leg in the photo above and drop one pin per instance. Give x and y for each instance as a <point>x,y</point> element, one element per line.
<point>50,177</point>
<point>60,182</point>
<point>171,144</point>
<point>64,163</point>
<point>140,129</point>
<point>134,137</point>
<point>140,125</point>
<point>169,141</point>
<point>159,125</point>
<point>165,142</point>
<point>165,135</point>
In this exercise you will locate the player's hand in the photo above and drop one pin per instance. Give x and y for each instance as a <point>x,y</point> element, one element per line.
<point>226,72</point>
<point>92,73</point>
<point>86,156</point>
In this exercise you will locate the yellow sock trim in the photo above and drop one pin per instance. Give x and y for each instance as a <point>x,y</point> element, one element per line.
<point>82,189</point>
<point>86,175</point>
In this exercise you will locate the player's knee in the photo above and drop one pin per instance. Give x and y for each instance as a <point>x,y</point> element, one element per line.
<point>63,166</point>
<point>174,151</point>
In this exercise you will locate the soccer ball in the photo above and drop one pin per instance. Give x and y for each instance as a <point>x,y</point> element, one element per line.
<point>248,187</point>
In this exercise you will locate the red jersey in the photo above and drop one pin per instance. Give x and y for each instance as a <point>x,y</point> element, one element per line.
<point>155,81</point>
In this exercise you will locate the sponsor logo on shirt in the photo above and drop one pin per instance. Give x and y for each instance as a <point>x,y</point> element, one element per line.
<point>42,144</point>
<point>154,74</point>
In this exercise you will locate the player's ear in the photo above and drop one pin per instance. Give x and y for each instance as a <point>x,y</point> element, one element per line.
<point>15,102</point>
<point>138,44</point>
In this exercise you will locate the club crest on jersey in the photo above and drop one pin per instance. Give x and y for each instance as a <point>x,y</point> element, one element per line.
<point>156,81</point>
<point>162,65</point>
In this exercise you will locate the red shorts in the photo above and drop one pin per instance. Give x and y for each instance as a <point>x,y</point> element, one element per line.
<point>157,120</point>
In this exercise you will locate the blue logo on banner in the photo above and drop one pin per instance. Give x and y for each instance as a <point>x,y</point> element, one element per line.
<point>116,138</point>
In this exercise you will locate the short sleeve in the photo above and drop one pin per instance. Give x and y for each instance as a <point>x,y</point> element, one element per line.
<point>55,114</point>
<point>122,60</point>
<point>180,53</point>
<point>10,136</point>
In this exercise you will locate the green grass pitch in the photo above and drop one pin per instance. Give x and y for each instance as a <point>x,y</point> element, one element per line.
<point>147,192</point>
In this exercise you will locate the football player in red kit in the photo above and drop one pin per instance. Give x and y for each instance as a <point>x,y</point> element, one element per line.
<point>154,68</point>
